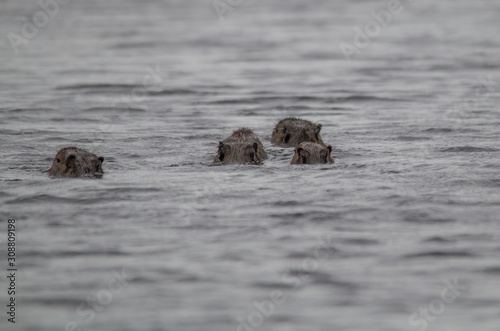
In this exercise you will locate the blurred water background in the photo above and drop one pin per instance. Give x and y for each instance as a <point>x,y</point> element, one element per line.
<point>411,204</point>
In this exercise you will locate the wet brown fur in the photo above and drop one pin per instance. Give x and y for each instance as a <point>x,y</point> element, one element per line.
<point>291,131</point>
<point>242,147</point>
<point>75,162</point>
<point>312,153</point>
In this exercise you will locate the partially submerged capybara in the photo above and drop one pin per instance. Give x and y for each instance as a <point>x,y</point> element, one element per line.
<point>242,146</point>
<point>312,153</point>
<point>291,131</point>
<point>76,162</point>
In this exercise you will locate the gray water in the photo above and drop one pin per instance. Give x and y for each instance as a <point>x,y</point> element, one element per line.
<point>411,204</point>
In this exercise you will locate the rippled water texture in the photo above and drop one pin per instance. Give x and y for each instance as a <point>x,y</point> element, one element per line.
<point>401,233</point>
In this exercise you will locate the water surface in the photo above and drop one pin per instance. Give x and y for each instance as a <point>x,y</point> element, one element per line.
<point>412,199</point>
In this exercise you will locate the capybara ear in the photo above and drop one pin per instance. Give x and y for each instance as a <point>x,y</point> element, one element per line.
<point>100,158</point>
<point>255,147</point>
<point>222,151</point>
<point>318,129</point>
<point>324,155</point>
<point>327,154</point>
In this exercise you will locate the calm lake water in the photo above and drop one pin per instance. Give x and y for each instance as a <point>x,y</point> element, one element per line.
<point>401,233</point>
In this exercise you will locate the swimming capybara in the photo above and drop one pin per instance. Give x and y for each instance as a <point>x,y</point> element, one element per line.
<point>291,131</point>
<point>242,146</point>
<point>312,153</point>
<point>76,162</point>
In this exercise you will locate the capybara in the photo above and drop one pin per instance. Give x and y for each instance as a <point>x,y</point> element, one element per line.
<point>291,131</point>
<point>312,153</point>
<point>242,146</point>
<point>76,162</point>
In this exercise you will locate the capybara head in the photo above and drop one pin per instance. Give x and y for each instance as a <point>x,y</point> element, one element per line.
<point>238,153</point>
<point>243,146</point>
<point>291,131</point>
<point>312,153</point>
<point>76,162</point>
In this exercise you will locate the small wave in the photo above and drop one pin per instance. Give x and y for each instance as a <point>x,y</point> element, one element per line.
<point>489,182</point>
<point>290,216</point>
<point>132,190</point>
<point>273,285</point>
<point>254,100</point>
<point>93,253</point>
<point>64,254</point>
<point>411,138</point>
<point>326,279</point>
<point>440,254</point>
<point>366,98</point>
<point>360,241</point>
<point>321,278</point>
<point>468,149</point>
<point>216,86</point>
<point>19,110</point>
<point>180,92</point>
<point>53,301</point>
<point>416,217</point>
<point>116,109</point>
<point>144,44</point>
<point>481,65</point>
<point>440,240</point>
<point>192,279</point>
<point>301,98</point>
<point>439,130</point>
<point>41,198</point>
<point>289,203</point>
<point>443,67</point>
<point>97,86</point>
<point>359,166</point>
<point>481,237</point>
<point>307,254</point>
<point>491,270</point>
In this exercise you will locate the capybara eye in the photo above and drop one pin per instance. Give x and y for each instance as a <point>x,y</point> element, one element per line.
<point>276,130</point>
<point>58,160</point>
